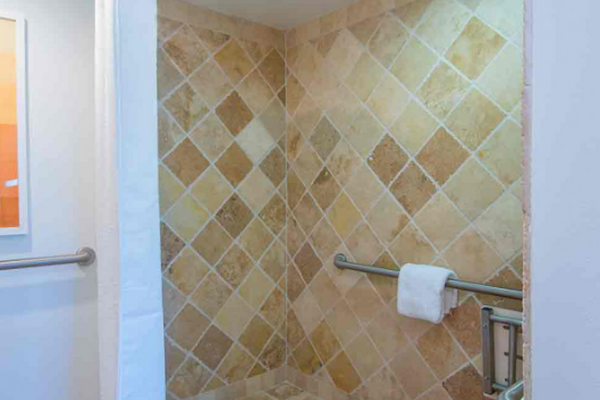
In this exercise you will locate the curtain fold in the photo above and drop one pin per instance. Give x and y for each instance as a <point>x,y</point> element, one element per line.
<point>127,214</point>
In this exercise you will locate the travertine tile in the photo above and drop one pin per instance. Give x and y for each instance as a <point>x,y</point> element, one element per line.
<point>444,88</point>
<point>505,16</point>
<point>343,322</point>
<point>234,266</point>
<point>475,48</point>
<point>324,290</point>
<point>387,159</point>
<point>465,384</point>
<point>324,341</point>
<point>166,27</point>
<point>308,165</point>
<point>365,29</point>
<point>273,69</point>
<point>212,242</point>
<point>364,355</point>
<point>412,247</point>
<point>211,137</point>
<point>295,333</point>
<point>187,271</point>
<point>256,239</point>
<point>503,153</point>
<point>324,239</point>
<point>294,93</point>
<point>255,91</point>
<point>256,190</point>
<point>211,83</point>
<point>172,301</point>
<point>440,221</point>
<point>343,161</point>
<point>171,245</point>
<point>502,225</point>
<point>387,335</point>
<point>306,358</point>
<point>295,189</point>
<point>387,218</point>
<point>388,100</point>
<point>236,365</point>
<point>295,283</point>
<point>365,76</point>
<point>412,188</point>
<point>413,64</point>
<point>274,214</point>
<point>168,132</point>
<point>472,189</point>
<point>440,351</point>
<point>442,156</point>
<point>388,40</point>
<point>364,188</point>
<point>307,310</point>
<point>465,324</point>
<point>307,116</point>
<point>295,142</point>
<point>381,386</point>
<point>437,392</point>
<point>211,190</point>
<point>343,373</point>
<point>186,106</point>
<point>474,119</point>
<point>503,79</point>
<point>471,258</point>
<point>187,327</point>
<point>189,379</point>
<point>505,278</point>
<point>364,245</point>
<point>363,299</point>
<point>234,113</point>
<point>213,347</point>
<point>274,354</point>
<point>186,162</point>
<point>173,358</point>
<point>308,64</point>
<point>324,138</point>
<point>234,164</point>
<point>233,317</point>
<point>186,50</point>
<point>325,189</point>
<point>211,39</point>
<point>256,335</point>
<point>186,217</point>
<point>414,126</point>
<point>274,119</point>
<point>344,53</point>
<point>442,23</point>
<point>307,213</point>
<point>412,12</point>
<point>274,166</point>
<point>308,263</point>
<point>211,295</point>
<point>412,372</point>
<point>273,262</point>
<point>343,216</point>
<point>234,216</point>
<point>343,107</point>
<point>257,51</point>
<point>234,61</point>
<point>256,288</point>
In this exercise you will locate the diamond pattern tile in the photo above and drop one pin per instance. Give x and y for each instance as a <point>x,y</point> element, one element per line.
<point>234,113</point>
<point>234,164</point>
<point>233,61</point>
<point>234,216</point>
<point>442,156</point>
<point>387,159</point>
<point>413,188</point>
<point>324,138</point>
<point>186,162</point>
<point>211,83</point>
<point>186,106</point>
<point>186,50</point>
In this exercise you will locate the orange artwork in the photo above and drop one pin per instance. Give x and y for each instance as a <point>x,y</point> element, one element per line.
<point>9,184</point>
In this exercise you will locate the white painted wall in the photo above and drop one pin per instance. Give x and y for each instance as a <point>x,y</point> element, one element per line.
<point>566,200</point>
<point>48,323</point>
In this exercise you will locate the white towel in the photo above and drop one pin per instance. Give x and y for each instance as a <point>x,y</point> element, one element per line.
<point>422,292</point>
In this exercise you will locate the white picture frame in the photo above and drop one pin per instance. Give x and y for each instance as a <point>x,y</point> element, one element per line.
<point>22,126</point>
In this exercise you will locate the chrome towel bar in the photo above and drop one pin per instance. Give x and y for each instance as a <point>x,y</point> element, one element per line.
<point>84,256</point>
<point>342,262</point>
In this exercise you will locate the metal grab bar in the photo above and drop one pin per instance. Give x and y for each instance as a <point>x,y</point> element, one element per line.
<point>342,262</point>
<point>84,256</point>
<point>515,392</point>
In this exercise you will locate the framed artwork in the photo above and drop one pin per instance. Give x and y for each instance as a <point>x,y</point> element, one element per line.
<point>13,127</point>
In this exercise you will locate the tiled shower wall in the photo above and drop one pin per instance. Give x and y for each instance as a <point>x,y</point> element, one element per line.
<point>404,146</point>
<point>222,171</point>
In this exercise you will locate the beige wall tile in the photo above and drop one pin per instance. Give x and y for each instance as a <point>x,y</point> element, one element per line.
<point>440,221</point>
<point>466,384</point>
<point>383,386</point>
<point>387,335</point>
<point>471,258</point>
<point>363,299</point>
<point>234,164</point>
<point>442,156</point>
<point>474,119</point>
<point>475,48</point>
<point>413,64</point>
<point>189,380</point>
<point>364,245</point>
<point>364,188</point>
<point>324,341</point>
<point>503,79</point>
<point>365,76</point>
<point>440,351</point>
<point>364,355</point>
<point>465,324</point>
<point>364,133</point>
<point>412,188</point>
<point>388,40</point>
<point>414,126</point>
<point>187,271</point>
<point>187,327</point>
<point>410,12</point>
<point>412,247</point>
<point>211,83</point>
<point>388,100</point>
<point>211,295</point>
<point>186,217</point>
<point>442,23</point>
<point>255,239</point>
<point>168,77</point>
<point>343,215</point>
<point>233,317</point>
<point>503,153</point>
<point>186,106</point>
<point>343,373</point>
<point>442,91</point>
<point>412,372</point>
<point>211,137</point>
<point>387,218</point>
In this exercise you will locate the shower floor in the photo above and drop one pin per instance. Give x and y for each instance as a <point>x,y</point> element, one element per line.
<point>283,391</point>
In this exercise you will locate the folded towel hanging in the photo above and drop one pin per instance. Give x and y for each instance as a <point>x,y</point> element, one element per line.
<point>422,292</point>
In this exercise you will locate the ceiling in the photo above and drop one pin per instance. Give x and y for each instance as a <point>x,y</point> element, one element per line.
<point>281,14</point>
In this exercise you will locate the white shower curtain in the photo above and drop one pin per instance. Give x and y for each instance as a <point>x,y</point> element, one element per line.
<point>127,219</point>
